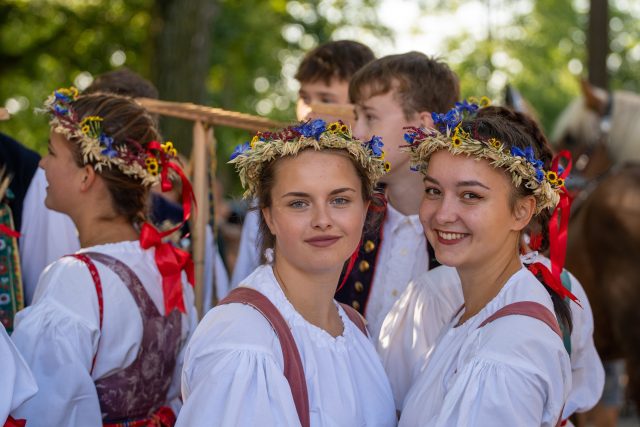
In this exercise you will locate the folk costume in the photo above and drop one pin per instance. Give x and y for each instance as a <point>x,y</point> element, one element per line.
<point>105,334</point>
<point>507,364</point>
<point>254,359</point>
<point>411,330</point>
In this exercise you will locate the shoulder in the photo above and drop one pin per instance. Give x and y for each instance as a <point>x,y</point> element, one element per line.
<point>234,327</point>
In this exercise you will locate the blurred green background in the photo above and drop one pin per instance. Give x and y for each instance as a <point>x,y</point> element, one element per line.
<point>241,55</point>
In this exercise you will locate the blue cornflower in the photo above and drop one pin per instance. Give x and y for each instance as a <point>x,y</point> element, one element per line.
<point>107,142</point>
<point>529,156</point>
<point>466,106</point>
<point>240,149</point>
<point>375,144</point>
<point>312,128</point>
<point>60,110</point>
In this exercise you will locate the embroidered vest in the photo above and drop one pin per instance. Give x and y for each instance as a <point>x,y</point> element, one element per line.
<point>139,390</point>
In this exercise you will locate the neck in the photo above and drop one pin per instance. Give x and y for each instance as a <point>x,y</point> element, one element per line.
<point>310,294</point>
<point>481,284</point>
<point>102,231</point>
<point>405,195</point>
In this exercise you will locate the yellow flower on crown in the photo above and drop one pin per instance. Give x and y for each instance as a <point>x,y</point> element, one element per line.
<point>456,141</point>
<point>333,127</point>
<point>168,148</point>
<point>494,143</point>
<point>152,165</point>
<point>387,166</point>
<point>255,140</point>
<point>552,177</point>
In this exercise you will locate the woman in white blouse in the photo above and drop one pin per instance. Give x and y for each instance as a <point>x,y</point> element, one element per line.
<point>313,183</point>
<point>501,359</point>
<point>16,382</point>
<point>108,324</point>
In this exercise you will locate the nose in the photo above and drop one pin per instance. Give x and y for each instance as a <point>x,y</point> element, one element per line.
<point>360,128</point>
<point>437,211</point>
<point>321,218</point>
<point>303,110</point>
<point>445,212</point>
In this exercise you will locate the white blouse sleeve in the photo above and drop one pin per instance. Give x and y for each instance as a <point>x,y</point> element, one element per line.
<point>233,373</point>
<point>58,336</point>
<point>412,327</point>
<point>520,382</point>
<point>16,382</point>
<point>587,371</point>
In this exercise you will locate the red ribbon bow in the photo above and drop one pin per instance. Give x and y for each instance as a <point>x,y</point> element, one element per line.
<point>170,261</point>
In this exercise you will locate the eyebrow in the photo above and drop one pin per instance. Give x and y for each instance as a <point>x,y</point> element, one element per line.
<point>466,183</point>
<point>302,194</point>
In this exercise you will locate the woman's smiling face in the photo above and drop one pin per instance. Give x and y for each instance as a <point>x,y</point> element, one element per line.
<point>467,211</point>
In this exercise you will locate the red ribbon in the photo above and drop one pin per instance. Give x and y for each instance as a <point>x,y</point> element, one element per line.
<point>8,231</point>
<point>555,284</point>
<point>12,422</point>
<point>171,261</point>
<point>558,233</point>
<point>163,417</point>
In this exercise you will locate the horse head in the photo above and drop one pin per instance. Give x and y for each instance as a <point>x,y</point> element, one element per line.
<point>584,128</point>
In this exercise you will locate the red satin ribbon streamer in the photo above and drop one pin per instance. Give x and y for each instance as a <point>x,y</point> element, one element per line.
<point>12,422</point>
<point>556,285</point>
<point>8,231</point>
<point>558,233</point>
<point>170,261</point>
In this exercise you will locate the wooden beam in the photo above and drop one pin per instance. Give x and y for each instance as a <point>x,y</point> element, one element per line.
<point>209,115</point>
<point>199,223</point>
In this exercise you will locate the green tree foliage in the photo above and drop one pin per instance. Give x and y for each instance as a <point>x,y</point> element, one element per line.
<point>542,52</point>
<point>255,47</point>
<point>49,44</point>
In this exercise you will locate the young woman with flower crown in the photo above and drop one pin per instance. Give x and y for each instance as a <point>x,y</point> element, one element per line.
<point>501,359</point>
<point>281,351</point>
<point>105,333</point>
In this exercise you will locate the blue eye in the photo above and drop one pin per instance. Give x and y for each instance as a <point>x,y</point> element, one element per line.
<point>340,201</point>
<point>298,204</point>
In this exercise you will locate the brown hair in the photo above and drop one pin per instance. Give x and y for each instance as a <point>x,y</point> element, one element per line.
<point>514,129</point>
<point>128,124</point>
<point>338,59</point>
<point>420,82</point>
<point>267,181</point>
<point>125,82</point>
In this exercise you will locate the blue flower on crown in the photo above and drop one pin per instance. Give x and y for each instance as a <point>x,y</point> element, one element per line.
<point>240,149</point>
<point>60,110</point>
<point>466,106</point>
<point>107,142</point>
<point>312,128</point>
<point>450,120</point>
<point>375,144</point>
<point>530,157</point>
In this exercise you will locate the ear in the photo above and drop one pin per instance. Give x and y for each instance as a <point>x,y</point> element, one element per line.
<point>425,119</point>
<point>89,177</point>
<point>523,211</point>
<point>266,214</point>
<point>591,98</point>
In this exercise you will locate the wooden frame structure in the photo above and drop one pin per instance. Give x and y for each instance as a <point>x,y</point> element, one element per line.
<point>204,146</point>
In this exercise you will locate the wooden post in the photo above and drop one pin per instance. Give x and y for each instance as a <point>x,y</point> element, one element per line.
<point>213,188</point>
<point>199,223</point>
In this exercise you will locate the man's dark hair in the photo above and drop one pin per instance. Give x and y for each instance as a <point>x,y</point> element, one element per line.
<point>338,59</point>
<point>123,82</point>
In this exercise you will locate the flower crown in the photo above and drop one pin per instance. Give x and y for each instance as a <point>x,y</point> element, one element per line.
<point>251,157</point>
<point>449,135</point>
<point>148,162</point>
